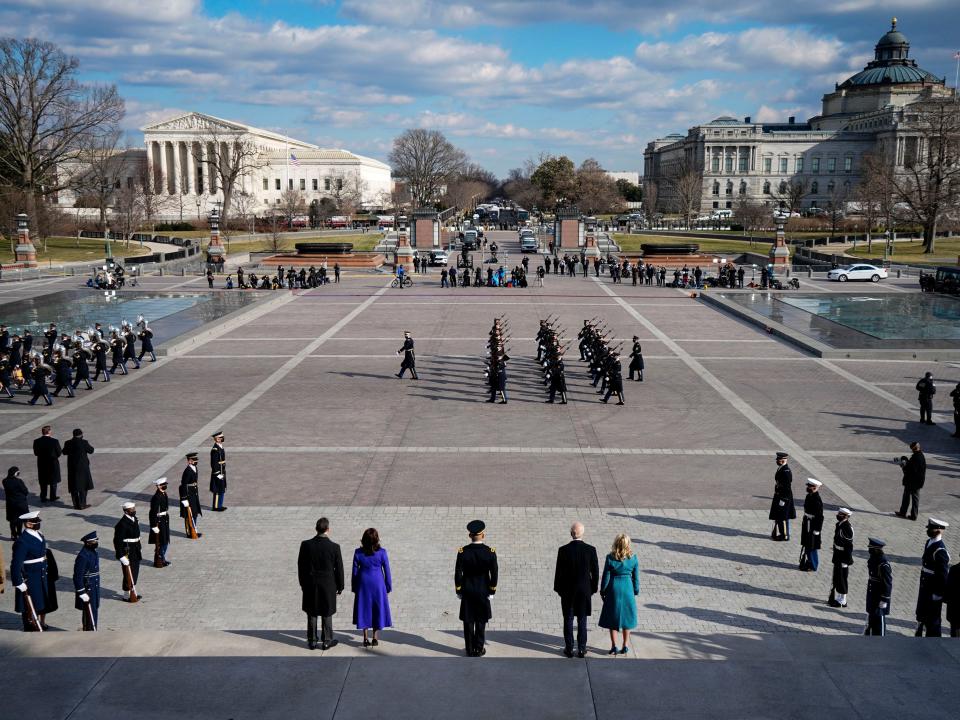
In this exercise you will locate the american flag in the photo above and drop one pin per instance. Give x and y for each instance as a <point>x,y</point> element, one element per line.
<point>294,161</point>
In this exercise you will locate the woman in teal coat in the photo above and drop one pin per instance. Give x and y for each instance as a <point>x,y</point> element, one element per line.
<point>619,587</point>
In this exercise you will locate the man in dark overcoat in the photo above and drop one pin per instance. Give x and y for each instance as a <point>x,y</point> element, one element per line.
<point>79,479</point>
<point>48,451</point>
<point>810,539</point>
<point>782,510</point>
<point>475,580</point>
<point>576,580</point>
<point>320,571</point>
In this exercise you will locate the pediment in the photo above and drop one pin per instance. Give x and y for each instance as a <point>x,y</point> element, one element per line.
<point>197,122</point>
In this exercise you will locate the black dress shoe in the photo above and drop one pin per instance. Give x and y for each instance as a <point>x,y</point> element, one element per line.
<point>375,642</point>
<point>481,652</point>
<point>332,643</point>
<point>900,514</point>
<point>568,653</point>
<point>582,654</point>
<point>312,645</point>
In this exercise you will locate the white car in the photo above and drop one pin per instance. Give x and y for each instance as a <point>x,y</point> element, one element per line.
<point>857,272</point>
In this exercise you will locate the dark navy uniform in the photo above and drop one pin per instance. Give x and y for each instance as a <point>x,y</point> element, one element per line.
<point>933,583</point>
<point>130,347</point>
<point>636,358</point>
<point>81,369</point>
<point>409,358</point>
<point>86,582</point>
<point>126,544</point>
<point>782,510</point>
<point>842,559</point>
<point>190,492</point>
<point>146,344</point>
<point>475,579</point>
<point>218,473</point>
<point>160,525</point>
<point>879,589</point>
<point>29,566</point>
<point>810,537</point>
<point>100,364</point>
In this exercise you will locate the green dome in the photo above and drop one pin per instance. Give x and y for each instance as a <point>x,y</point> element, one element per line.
<point>891,65</point>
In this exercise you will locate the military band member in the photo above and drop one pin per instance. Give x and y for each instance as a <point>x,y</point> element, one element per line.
<point>51,335</point>
<point>933,580</point>
<point>86,582</point>
<point>80,367</point>
<point>38,373</point>
<point>475,580</point>
<point>842,558</point>
<point>146,343</point>
<point>99,349</point>
<point>63,374</point>
<point>126,545</point>
<point>879,588</point>
<point>782,509</point>
<point>130,346</point>
<point>409,357</point>
<point>190,509</point>
<point>117,350</point>
<point>160,523</point>
<point>636,357</point>
<point>28,574</point>
<point>218,472</point>
<point>812,527</point>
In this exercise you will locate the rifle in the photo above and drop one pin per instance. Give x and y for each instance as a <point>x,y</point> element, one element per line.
<point>88,616</point>
<point>32,616</point>
<point>191,526</point>
<point>128,574</point>
<point>157,560</point>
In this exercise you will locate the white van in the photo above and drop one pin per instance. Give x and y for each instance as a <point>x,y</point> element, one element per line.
<point>721,214</point>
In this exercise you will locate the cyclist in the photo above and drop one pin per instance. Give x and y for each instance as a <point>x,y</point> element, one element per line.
<point>400,275</point>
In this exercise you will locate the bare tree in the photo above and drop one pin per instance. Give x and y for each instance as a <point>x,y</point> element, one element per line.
<point>837,206</point>
<point>347,192</point>
<point>292,204</point>
<point>651,195</point>
<point>790,194</point>
<point>243,205</point>
<point>928,186</point>
<point>685,182</point>
<point>426,160</point>
<point>519,188</point>
<point>46,115</point>
<point>751,214</point>
<point>229,160</point>
<point>596,191</point>
<point>152,202</point>
<point>874,192</point>
<point>127,211</point>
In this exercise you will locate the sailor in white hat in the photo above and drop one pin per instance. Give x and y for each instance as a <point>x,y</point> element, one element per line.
<point>28,573</point>
<point>842,558</point>
<point>126,545</point>
<point>933,580</point>
<point>811,528</point>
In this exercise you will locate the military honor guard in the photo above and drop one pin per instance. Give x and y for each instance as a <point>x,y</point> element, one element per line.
<point>409,357</point>
<point>146,341</point>
<point>933,580</point>
<point>614,372</point>
<point>496,369</point>
<point>218,472</point>
<point>475,580</point>
<point>842,558</point>
<point>810,539</point>
<point>879,588</point>
<point>636,358</point>
<point>128,550</point>
<point>190,509</point>
<point>81,369</point>
<point>28,574</point>
<point>130,345</point>
<point>160,523</point>
<point>782,510</point>
<point>86,582</point>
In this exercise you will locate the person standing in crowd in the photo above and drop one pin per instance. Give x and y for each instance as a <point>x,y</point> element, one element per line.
<point>782,510</point>
<point>127,546</point>
<point>28,574</point>
<point>475,579</point>
<point>933,580</point>
<point>842,558</point>
<point>926,389</point>
<point>160,523</point>
<point>371,584</point>
<point>79,479</point>
<point>190,509</point>
<point>47,450</point>
<point>16,493</point>
<point>409,356</point>
<point>218,472</point>
<point>914,475</point>
<point>619,588</point>
<point>576,579</point>
<point>320,572</point>
<point>879,588</point>
<point>86,582</point>
<point>810,539</point>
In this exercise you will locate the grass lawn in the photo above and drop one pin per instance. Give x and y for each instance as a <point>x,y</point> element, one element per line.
<point>65,249</point>
<point>631,243</point>
<point>945,252</point>
<point>361,242</point>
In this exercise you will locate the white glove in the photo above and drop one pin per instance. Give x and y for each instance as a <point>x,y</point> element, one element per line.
<point>936,598</point>
<point>219,476</point>
<point>124,561</point>
<point>883,606</point>
<point>22,587</point>
<point>155,531</point>
<point>84,597</point>
<point>185,503</point>
<point>782,503</point>
<point>844,565</point>
<point>816,532</point>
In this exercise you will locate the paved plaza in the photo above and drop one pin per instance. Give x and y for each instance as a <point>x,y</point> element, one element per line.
<point>302,384</point>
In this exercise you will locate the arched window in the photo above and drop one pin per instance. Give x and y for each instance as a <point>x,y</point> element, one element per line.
<point>766,188</point>
<point>814,187</point>
<point>716,187</point>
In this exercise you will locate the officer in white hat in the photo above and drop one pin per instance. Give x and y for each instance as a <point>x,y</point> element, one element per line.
<point>126,545</point>
<point>810,539</point>
<point>28,573</point>
<point>842,558</point>
<point>933,580</point>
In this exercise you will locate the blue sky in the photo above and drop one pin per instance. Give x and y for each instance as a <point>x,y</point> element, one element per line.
<point>506,80</point>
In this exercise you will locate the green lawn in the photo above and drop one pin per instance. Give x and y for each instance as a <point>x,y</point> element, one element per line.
<point>69,249</point>
<point>365,241</point>
<point>631,243</point>
<point>945,252</point>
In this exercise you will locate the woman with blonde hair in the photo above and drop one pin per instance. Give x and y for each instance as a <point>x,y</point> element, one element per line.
<point>619,588</point>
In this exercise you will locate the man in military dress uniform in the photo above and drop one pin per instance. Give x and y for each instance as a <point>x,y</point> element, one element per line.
<point>933,580</point>
<point>782,509</point>
<point>842,558</point>
<point>28,573</point>
<point>160,523</point>
<point>409,357</point>
<point>475,580</point>
<point>86,582</point>
<point>190,495</point>
<point>812,526</point>
<point>636,356</point>
<point>218,472</point>
<point>126,544</point>
<point>879,588</point>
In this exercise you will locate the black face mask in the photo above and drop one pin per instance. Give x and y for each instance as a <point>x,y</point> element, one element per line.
<point>91,546</point>
<point>931,533</point>
<point>35,525</point>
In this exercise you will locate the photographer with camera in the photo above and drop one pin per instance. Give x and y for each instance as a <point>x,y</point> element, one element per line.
<point>914,474</point>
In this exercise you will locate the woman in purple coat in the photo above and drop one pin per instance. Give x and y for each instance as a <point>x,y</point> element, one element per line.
<point>371,582</point>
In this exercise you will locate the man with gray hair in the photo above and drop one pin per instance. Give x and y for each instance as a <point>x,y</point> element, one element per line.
<point>576,580</point>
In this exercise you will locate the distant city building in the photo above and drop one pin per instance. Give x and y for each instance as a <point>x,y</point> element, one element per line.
<point>758,161</point>
<point>631,176</point>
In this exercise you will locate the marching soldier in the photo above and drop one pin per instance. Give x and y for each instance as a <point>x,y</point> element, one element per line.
<point>99,349</point>
<point>636,354</point>
<point>812,527</point>
<point>28,574</point>
<point>409,357</point>
<point>879,588</point>
<point>51,336</point>
<point>63,374</point>
<point>130,346</point>
<point>614,379</point>
<point>190,508</point>
<point>475,580</point>
<point>218,472</point>
<point>126,545</point>
<point>933,580</point>
<point>781,507</point>
<point>160,523</point>
<point>117,346</point>
<point>80,367</point>
<point>86,582</point>
<point>842,558</point>
<point>146,342</point>
<point>39,373</point>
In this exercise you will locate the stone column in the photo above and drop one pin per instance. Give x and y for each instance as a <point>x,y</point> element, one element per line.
<point>177,169</point>
<point>164,184</point>
<point>24,254</point>
<point>216,253</point>
<point>187,166</point>
<point>403,254</point>
<point>150,169</point>
<point>212,158</point>
<point>780,253</point>
<point>590,249</point>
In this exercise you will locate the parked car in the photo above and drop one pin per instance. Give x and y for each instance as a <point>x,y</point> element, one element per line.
<point>857,272</point>
<point>529,243</point>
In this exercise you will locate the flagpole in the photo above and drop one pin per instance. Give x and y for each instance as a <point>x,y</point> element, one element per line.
<point>956,77</point>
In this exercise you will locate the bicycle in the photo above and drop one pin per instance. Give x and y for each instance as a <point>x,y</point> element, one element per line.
<point>407,282</point>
